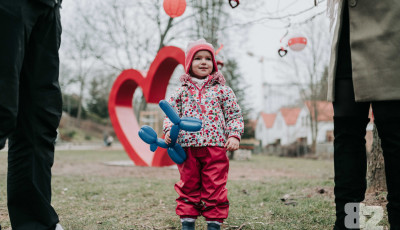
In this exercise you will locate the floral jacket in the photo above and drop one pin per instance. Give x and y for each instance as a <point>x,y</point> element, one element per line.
<point>215,104</point>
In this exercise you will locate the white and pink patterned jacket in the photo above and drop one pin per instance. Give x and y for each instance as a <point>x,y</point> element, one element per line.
<point>215,104</point>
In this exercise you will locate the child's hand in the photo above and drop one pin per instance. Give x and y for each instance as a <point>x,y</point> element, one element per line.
<point>232,144</point>
<point>167,138</point>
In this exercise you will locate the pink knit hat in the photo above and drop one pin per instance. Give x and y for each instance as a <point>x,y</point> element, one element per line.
<point>195,46</point>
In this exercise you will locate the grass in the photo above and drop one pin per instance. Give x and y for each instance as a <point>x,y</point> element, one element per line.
<point>87,194</point>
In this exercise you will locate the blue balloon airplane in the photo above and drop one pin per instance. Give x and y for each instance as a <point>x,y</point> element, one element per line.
<point>175,151</point>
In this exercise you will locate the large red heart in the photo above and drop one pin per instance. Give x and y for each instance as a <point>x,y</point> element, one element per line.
<point>154,86</point>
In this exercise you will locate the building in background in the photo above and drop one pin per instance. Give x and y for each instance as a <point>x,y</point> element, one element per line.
<point>288,131</point>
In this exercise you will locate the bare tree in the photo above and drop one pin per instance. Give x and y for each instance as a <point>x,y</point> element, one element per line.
<point>120,35</point>
<point>209,18</point>
<point>120,43</point>
<point>306,69</point>
<point>216,22</point>
<point>78,59</point>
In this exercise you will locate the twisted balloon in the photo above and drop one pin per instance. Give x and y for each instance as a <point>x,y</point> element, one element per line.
<point>175,151</point>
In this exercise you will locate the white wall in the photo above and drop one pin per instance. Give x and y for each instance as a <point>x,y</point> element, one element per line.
<point>280,129</point>
<point>267,136</point>
<point>261,132</point>
<point>323,127</point>
<point>300,129</point>
<point>289,134</point>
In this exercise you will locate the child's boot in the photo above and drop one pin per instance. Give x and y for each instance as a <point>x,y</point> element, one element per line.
<point>213,226</point>
<point>186,225</point>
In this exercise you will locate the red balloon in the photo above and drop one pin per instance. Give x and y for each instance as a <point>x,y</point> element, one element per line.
<point>174,8</point>
<point>297,43</point>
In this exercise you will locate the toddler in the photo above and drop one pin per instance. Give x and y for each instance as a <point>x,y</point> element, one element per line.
<point>204,95</point>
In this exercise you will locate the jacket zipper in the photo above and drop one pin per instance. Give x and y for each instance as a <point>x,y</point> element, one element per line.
<point>199,104</point>
<point>200,90</point>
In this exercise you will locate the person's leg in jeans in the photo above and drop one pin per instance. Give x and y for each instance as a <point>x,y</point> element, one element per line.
<point>387,120</point>
<point>31,144</point>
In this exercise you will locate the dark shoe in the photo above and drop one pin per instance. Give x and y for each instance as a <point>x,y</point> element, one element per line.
<point>213,226</point>
<point>187,225</point>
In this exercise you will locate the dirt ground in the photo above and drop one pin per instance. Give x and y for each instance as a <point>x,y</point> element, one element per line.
<point>171,172</point>
<point>371,199</point>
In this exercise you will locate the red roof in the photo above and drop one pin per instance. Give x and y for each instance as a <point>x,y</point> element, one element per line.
<point>269,119</point>
<point>324,110</point>
<point>290,115</point>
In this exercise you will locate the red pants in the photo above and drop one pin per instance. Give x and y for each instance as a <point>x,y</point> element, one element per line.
<point>202,186</point>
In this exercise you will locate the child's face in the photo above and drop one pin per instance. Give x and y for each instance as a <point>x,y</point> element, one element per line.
<point>202,64</point>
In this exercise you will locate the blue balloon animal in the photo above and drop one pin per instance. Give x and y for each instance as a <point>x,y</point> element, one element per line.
<point>175,151</point>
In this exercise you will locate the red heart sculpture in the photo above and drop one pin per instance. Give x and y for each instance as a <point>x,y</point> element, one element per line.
<point>154,86</point>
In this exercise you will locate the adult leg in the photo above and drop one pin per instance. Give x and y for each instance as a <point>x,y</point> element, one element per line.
<point>350,121</point>
<point>31,148</point>
<point>387,120</point>
<point>214,175</point>
<point>11,58</point>
<point>350,162</point>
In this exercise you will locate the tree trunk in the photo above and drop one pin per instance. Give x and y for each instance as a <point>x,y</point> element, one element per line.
<point>79,115</point>
<point>314,146</point>
<point>314,129</point>
<point>376,178</point>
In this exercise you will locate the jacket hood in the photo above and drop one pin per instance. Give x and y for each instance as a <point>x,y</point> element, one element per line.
<point>217,77</point>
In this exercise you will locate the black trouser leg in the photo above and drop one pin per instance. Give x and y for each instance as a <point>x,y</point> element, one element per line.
<point>11,58</point>
<point>31,144</point>
<point>387,121</point>
<point>350,162</point>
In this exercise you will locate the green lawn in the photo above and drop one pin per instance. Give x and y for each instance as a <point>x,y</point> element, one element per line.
<point>89,194</point>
